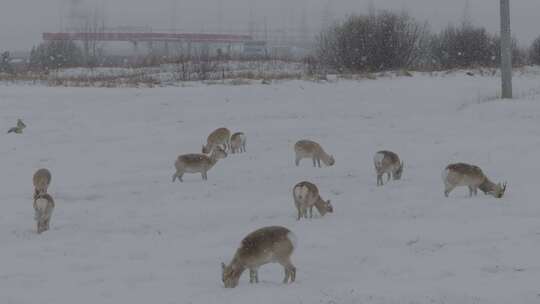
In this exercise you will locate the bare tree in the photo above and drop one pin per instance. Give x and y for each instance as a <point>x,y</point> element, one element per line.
<point>534,53</point>
<point>5,63</point>
<point>92,23</point>
<point>382,40</point>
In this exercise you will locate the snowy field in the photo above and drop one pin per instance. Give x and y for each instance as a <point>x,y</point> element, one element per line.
<point>123,233</point>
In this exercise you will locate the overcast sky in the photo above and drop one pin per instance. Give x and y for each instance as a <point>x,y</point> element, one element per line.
<point>23,21</point>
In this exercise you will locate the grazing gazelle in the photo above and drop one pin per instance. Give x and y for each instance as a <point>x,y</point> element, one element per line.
<point>311,149</point>
<point>220,137</point>
<point>266,245</point>
<point>461,174</point>
<point>43,206</point>
<point>387,162</point>
<point>197,163</point>
<point>41,180</point>
<point>238,142</point>
<point>306,195</point>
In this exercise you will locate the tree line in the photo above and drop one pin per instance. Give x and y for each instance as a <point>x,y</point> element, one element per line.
<point>386,40</point>
<point>376,41</point>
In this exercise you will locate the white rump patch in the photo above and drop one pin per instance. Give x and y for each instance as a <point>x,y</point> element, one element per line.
<point>445,174</point>
<point>41,204</point>
<point>301,192</point>
<point>292,237</point>
<point>378,159</point>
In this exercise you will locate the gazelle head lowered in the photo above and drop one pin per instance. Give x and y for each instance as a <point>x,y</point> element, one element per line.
<point>238,142</point>
<point>273,244</point>
<point>462,174</point>
<point>310,149</point>
<point>387,162</point>
<point>197,163</point>
<point>306,196</point>
<point>41,180</point>
<point>219,137</point>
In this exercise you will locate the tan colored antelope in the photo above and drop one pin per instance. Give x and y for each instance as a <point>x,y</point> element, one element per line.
<point>311,149</point>
<point>306,195</point>
<point>387,162</point>
<point>220,137</point>
<point>461,174</point>
<point>43,206</point>
<point>266,245</point>
<point>238,142</point>
<point>197,163</point>
<point>42,180</point>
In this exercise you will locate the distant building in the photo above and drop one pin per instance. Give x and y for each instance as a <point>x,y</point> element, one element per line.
<point>255,49</point>
<point>166,44</point>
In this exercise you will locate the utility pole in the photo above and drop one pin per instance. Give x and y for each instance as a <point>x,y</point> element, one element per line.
<point>506,50</point>
<point>174,15</point>
<point>220,16</point>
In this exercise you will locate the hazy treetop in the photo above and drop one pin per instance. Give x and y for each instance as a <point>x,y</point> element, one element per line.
<point>22,21</point>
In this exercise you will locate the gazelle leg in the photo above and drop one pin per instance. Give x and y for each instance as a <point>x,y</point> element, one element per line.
<point>297,160</point>
<point>290,271</point>
<point>448,189</point>
<point>311,212</point>
<point>253,276</point>
<point>41,226</point>
<point>471,191</point>
<point>314,162</point>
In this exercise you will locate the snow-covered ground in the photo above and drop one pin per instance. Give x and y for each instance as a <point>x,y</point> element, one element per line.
<point>123,233</point>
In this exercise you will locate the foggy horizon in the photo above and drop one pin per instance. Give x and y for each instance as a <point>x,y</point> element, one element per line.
<point>21,33</point>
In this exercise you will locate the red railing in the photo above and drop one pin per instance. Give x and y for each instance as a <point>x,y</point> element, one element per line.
<point>136,37</point>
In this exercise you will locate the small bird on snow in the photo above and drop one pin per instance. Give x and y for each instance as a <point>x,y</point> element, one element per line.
<point>19,128</point>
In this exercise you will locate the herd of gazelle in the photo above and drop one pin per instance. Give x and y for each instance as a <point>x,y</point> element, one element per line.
<point>276,244</point>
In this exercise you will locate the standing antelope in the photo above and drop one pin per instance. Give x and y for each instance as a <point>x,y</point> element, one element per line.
<point>266,245</point>
<point>311,149</point>
<point>306,195</point>
<point>43,206</point>
<point>238,142</point>
<point>387,162</point>
<point>41,180</point>
<point>221,136</point>
<point>461,174</point>
<point>197,163</point>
